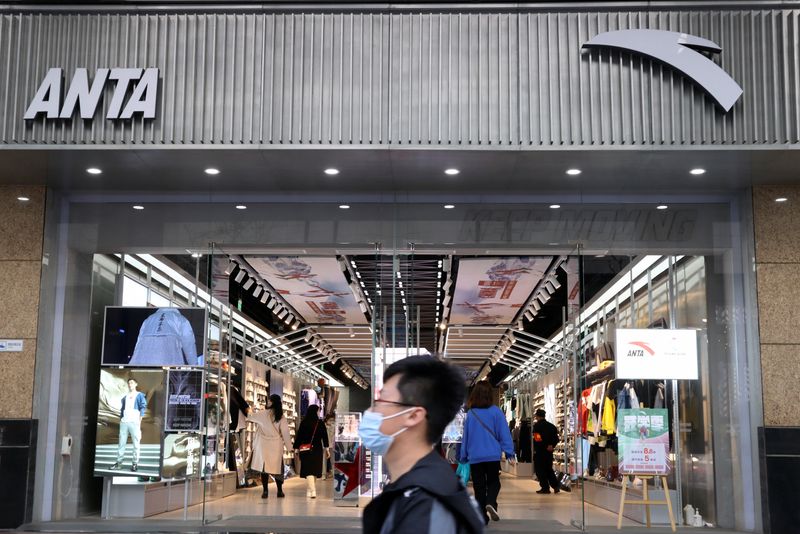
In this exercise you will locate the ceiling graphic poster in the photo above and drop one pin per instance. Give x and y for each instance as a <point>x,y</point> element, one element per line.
<point>315,287</point>
<point>491,291</point>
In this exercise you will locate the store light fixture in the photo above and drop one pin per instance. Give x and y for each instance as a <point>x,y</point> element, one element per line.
<point>363,306</point>
<point>283,313</point>
<point>138,207</point>
<point>344,206</point>
<point>449,206</point>
<point>212,171</point>
<point>330,171</point>
<point>451,171</point>
<point>23,199</point>
<point>264,297</point>
<point>247,285</point>
<point>697,171</point>
<point>257,291</point>
<point>272,304</point>
<point>231,266</point>
<point>573,172</point>
<point>240,276</point>
<point>555,206</point>
<point>241,207</point>
<point>196,255</point>
<point>662,207</point>
<point>781,199</point>
<point>94,170</point>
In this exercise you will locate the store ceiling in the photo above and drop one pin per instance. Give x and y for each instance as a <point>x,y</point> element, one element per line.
<point>499,172</point>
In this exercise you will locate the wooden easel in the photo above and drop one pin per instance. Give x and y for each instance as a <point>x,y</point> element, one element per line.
<point>646,501</point>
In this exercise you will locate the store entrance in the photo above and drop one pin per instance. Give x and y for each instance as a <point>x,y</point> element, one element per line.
<point>316,325</point>
<point>318,329</point>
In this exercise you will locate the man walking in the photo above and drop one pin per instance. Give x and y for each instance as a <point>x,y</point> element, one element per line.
<point>545,439</point>
<point>134,405</point>
<point>420,396</point>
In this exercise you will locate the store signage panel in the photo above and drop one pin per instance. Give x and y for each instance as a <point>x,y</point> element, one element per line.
<point>140,86</point>
<point>679,51</point>
<point>656,354</point>
<point>315,287</point>
<point>491,291</point>
<point>11,345</point>
<point>643,439</point>
<point>184,400</point>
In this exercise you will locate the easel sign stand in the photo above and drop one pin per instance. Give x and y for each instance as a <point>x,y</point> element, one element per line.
<point>646,500</point>
<point>643,445</point>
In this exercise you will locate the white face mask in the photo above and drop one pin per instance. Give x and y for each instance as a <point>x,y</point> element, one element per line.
<point>370,431</point>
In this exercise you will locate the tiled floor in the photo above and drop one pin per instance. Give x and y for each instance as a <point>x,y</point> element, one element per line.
<point>518,500</point>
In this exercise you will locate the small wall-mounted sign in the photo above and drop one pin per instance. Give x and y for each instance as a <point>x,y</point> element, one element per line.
<point>11,345</point>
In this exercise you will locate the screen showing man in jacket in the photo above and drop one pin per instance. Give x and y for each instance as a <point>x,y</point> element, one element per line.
<point>545,439</point>
<point>134,406</point>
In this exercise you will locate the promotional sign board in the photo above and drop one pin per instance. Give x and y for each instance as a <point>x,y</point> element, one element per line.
<point>643,441</point>
<point>655,354</point>
<point>184,400</point>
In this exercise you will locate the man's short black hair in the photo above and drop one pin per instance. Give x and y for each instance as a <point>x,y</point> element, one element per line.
<point>134,380</point>
<point>436,386</point>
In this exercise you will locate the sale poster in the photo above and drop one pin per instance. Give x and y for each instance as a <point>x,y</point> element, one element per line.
<point>643,441</point>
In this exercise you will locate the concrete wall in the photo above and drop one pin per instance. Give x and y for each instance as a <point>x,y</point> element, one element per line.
<point>777,240</point>
<point>21,234</point>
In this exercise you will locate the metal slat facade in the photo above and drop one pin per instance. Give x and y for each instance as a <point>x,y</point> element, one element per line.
<point>425,79</point>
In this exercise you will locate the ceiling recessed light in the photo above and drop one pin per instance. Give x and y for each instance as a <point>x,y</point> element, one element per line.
<point>573,172</point>
<point>451,172</point>
<point>197,255</point>
<point>662,207</point>
<point>241,207</point>
<point>94,170</point>
<point>344,207</point>
<point>781,199</point>
<point>138,207</point>
<point>331,171</point>
<point>449,206</point>
<point>697,171</point>
<point>23,199</point>
<point>555,206</point>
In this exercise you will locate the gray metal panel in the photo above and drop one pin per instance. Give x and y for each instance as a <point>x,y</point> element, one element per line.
<point>429,79</point>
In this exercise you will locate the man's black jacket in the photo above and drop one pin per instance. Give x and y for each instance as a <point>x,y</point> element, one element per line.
<point>429,499</point>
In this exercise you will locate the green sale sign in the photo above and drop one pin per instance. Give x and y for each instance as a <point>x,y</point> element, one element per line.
<point>643,441</point>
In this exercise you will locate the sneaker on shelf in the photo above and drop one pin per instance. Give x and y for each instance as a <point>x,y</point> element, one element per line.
<point>115,466</point>
<point>135,467</point>
<point>492,512</point>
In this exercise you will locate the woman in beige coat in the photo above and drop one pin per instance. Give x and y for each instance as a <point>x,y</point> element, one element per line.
<point>271,437</point>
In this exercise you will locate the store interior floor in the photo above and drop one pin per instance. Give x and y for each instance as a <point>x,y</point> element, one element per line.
<point>518,501</point>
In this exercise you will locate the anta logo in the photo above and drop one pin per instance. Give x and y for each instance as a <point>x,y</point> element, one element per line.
<point>142,84</point>
<point>641,349</point>
<point>680,51</point>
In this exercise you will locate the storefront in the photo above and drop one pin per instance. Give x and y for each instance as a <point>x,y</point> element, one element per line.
<point>321,191</point>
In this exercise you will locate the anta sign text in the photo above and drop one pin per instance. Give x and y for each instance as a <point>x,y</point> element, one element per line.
<point>656,354</point>
<point>135,92</point>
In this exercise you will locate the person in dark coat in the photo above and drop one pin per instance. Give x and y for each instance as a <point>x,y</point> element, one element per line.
<point>312,431</point>
<point>545,439</point>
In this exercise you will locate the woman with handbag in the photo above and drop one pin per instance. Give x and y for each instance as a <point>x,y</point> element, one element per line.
<point>271,437</point>
<point>310,444</point>
<point>486,438</point>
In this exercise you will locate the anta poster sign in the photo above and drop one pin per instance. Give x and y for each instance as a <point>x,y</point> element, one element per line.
<point>656,354</point>
<point>643,442</point>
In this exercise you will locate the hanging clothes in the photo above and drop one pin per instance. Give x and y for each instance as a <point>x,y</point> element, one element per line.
<point>525,442</point>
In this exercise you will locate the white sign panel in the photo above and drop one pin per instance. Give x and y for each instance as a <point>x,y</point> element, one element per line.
<point>11,345</point>
<point>656,354</point>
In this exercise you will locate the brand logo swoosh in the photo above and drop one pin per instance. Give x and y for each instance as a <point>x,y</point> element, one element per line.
<point>643,345</point>
<point>679,51</point>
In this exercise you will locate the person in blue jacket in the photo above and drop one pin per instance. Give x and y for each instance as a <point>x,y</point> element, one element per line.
<point>486,438</point>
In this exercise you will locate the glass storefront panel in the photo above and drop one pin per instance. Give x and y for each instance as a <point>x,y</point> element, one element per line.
<point>524,295</point>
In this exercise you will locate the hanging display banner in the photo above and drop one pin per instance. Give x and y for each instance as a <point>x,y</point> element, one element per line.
<point>491,291</point>
<point>643,442</point>
<point>184,401</point>
<point>654,354</point>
